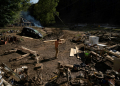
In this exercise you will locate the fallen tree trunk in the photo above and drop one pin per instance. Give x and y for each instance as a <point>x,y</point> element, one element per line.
<point>11,51</point>
<point>22,56</point>
<point>31,51</point>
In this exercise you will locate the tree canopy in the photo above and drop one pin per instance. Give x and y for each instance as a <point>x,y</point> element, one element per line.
<point>45,11</point>
<point>10,10</point>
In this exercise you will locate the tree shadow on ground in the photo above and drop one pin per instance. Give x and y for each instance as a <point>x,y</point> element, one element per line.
<point>20,34</point>
<point>46,60</point>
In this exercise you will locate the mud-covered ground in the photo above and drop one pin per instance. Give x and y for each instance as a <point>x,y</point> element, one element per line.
<point>45,50</point>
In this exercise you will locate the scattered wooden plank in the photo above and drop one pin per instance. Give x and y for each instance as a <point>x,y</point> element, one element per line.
<point>27,37</point>
<point>94,53</point>
<point>31,51</point>
<point>109,57</point>
<point>108,63</point>
<point>72,52</point>
<point>77,52</point>
<point>68,66</point>
<point>53,40</point>
<point>22,56</point>
<point>11,51</point>
<point>10,72</point>
<point>112,46</point>
<point>112,53</point>
<point>65,64</point>
<point>91,48</point>
<point>6,83</point>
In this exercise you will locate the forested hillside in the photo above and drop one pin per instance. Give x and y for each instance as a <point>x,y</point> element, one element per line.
<point>10,10</point>
<point>89,11</point>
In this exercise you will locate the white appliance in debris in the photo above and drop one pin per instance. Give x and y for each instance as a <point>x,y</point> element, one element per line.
<point>93,40</point>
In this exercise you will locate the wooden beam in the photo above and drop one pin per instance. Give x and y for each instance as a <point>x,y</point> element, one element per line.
<point>68,66</point>
<point>112,53</point>
<point>109,57</point>
<point>64,64</point>
<point>10,72</point>
<point>112,46</point>
<point>53,40</point>
<point>27,37</point>
<point>94,53</point>
<point>22,56</point>
<point>31,51</point>
<point>6,83</point>
<point>11,51</point>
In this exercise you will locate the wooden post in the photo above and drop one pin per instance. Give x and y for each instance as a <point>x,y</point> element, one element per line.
<point>38,58</point>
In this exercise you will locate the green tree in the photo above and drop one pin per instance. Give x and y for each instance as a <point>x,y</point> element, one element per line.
<point>10,10</point>
<point>45,11</point>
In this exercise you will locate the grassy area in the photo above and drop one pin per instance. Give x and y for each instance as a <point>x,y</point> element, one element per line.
<point>4,29</point>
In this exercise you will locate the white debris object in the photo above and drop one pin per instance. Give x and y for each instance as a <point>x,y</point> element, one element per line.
<point>72,52</point>
<point>24,67</point>
<point>93,40</point>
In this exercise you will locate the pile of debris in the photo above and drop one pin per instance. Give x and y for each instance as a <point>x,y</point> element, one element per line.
<point>94,52</point>
<point>87,75</point>
<point>10,31</point>
<point>20,76</point>
<point>8,39</point>
<point>103,36</point>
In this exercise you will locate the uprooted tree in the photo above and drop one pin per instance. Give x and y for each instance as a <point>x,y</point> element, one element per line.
<point>10,10</point>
